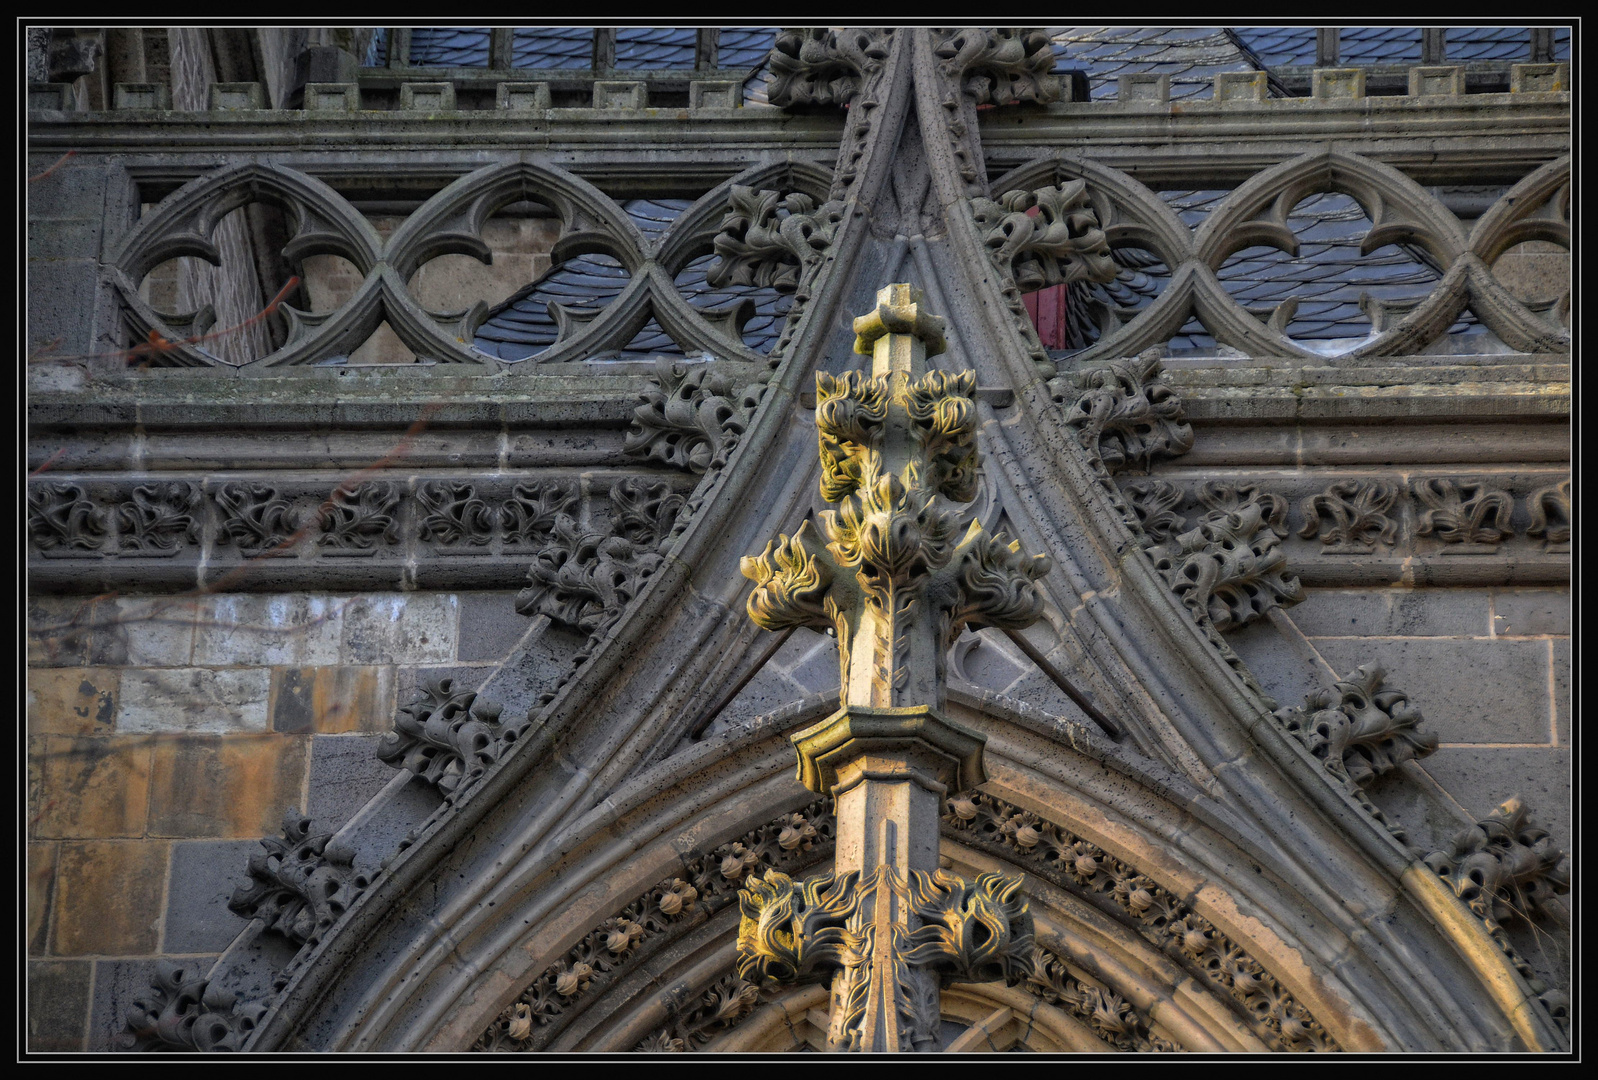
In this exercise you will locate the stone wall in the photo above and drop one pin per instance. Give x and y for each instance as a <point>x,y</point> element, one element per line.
<point>167,736</point>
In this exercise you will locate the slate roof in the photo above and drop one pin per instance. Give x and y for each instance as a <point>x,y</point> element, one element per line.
<point>524,326</point>
<point>1191,56</point>
<point>1295,45</point>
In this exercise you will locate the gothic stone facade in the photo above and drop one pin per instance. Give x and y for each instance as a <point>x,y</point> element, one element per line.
<point>384,694</point>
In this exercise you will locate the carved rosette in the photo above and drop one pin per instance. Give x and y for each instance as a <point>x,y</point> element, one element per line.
<point>301,884</point>
<point>805,931</point>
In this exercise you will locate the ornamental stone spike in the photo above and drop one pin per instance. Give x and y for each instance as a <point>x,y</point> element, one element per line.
<point>891,579</point>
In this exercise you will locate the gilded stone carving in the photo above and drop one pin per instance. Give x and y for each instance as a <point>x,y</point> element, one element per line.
<point>301,884</point>
<point>452,514</point>
<point>1125,416</point>
<point>158,519</point>
<point>693,417</point>
<point>1059,244</point>
<point>823,67</point>
<point>970,931</point>
<point>446,738</point>
<point>708,882</point>
<point>1001,66</point>
<point>1360,729</point>
<point>1230,569</point>
<point>354,520</point>
<point>1467,516</point>
<point>182,1012</point>
<point>62,520</point>
<point>1161,916</point>
<point>1358,514</point>
<point>1550,515</point>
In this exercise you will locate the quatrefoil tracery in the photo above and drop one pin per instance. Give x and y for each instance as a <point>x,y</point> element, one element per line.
<point>322,222</point>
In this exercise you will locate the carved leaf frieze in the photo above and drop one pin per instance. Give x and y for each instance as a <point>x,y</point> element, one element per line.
<point>1112,1017</point>
<point>1465,515</point>
<point>451,514</point>
<point>1358,514</point>
<point>62,519</point>
<point>1550,515</point>
<point>355,521</point>
<point>158,519</point>
<point>529,515</point>
<point>254,516</point>
<point>301,884</point>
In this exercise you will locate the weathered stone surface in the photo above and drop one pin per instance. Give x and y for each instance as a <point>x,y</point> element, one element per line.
<point>1531,612</point>
<point>345,774</point>
<point>58,1004</point>
<point>1490,691</point>
<point>1397,612</point>
<point>160,632</point>
<point>408,628</point>
<point>1564,716</point>
<point>1479,779</point>
<point>213,700</point>
<point>88,787</point>
<point>489,625</point>
<point>109,896</point>
<point>271,630</point>
<point>332,700</point>
<point>72,701</point>
<point>237,785</point>
<point>203,875</point>
<point>41,895</point>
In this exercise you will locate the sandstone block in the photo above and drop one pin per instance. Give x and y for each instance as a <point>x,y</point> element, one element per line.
<point>401,628</point>
<point>194,699</point>
<point>267,631</point>
<point>239,786</point>
<point>109,896</point>
<point>88,787</point>
<point>332,700</point>
<point>72,701</point>
<point>1531,612</point>
<point>159,631</point>
<point>41,893</point>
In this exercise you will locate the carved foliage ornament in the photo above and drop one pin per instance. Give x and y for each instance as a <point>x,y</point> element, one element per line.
<point>1358,515</point>
<point>1550,515</point>
<point>693,417</point>
<point>182,1011</point>
<point>60,516</point>
<point>1505,868</point>
<point>1000,66</point>
<point>301,885</point>
<point>769,239</point>
<point>1124,414</point>
<point>446,739</point>
<point>1049,236</point>
<point>1230,568</point>
<point>1467,513</point>
<point>585,580</point>
<point>823,67</point>
<point>1360,730</point>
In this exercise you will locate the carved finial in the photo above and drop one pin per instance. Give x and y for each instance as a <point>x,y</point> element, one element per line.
<point>898,311</point>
